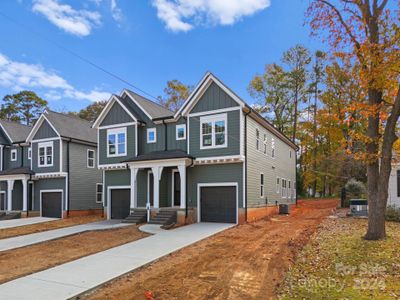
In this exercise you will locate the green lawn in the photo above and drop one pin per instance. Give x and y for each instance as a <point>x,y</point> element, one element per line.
<point>339,264</point>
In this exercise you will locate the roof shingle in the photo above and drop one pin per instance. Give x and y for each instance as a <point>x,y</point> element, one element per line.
<point>153,109</point>
<point>17,132</point>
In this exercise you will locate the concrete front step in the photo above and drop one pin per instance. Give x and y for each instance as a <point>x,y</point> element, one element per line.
<point>136,217</point>
<point>10,216</point>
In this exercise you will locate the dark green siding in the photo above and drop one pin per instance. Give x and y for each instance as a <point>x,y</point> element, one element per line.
<point>56,158</point>
<point>45,131</point>
<point>172,142</point>
<point>130,139</point>
<point>116,115</point>
<point>135,109</point>
<point>144,147</point>
<point>115,178</point>
<point>214,174</point>
<point>214,98</point>
<point>233,147</point>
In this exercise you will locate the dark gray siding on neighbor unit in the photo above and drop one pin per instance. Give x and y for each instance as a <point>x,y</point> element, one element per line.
<point>56,158</point>
<point>82,180</point>
<point>116,115</point>
<point>233,145</point>
<point>45,131</point>
<point>214,98</point>
<point>115,178</point>
<point>130,139</point>
<point>48,184</point>
<point>214,174</point>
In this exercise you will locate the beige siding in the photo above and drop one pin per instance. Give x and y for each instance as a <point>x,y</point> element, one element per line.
<point>282,166</point>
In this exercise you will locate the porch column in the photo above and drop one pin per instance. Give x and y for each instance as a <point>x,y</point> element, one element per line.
<point>182,174</point>
<point>24,194</point>
<point>10,187</point>
<point>133,187</point>
<point>157,171</point>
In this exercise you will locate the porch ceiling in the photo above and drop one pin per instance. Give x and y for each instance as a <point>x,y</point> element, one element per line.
<point>160,155</point>
<point>17,171</point>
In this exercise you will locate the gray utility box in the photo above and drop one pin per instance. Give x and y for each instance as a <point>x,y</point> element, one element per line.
<point>284,209</point>
<point>359,207</point>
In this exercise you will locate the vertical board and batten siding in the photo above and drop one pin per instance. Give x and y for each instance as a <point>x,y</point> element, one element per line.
<point>115,178</point>
<point>130,146</point>
<point>393,198</point>
<point>116,115</point>
<point>56,158</point>
<point>173,143</point>
<point>82,180</point>
<point>233,137</point>
<point>281,166</point>
<point>3,138</point>
<point>45,131</point>
<point>48,184</point>
<point>145,147</point>
<point>136,111</point>
<point>214,174</point>
<point>213,98</point>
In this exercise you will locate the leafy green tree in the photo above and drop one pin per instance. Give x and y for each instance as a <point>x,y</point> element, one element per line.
<point>24,106</point>
<point>175,95</point>
<point>272,93</point>
<point>91,112</point>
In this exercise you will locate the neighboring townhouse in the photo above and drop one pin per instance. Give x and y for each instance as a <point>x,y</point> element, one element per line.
<point>15,172</point>
<point>394,183</point>
<point>56,176</point>
<point>215,160</point>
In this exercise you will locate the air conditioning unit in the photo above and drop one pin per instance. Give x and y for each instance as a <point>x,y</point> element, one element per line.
<point>359,207</point>
<point>284,209</point>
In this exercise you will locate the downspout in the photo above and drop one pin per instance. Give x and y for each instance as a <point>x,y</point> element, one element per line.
<point>245,160</point>
<point>187,186</point>
<point>68,182</point>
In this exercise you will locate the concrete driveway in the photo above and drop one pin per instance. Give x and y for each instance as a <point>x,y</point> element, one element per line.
<point>35,238</point>
<point>24,221</point>
<point>79,276</point>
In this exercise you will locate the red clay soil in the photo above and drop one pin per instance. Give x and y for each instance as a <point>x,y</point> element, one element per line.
<point>246,262</point>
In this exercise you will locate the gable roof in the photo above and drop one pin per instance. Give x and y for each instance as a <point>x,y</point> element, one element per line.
<point>113,99</point>
<point>152,109</point>
<point>66,126</point>
<point>15,131</point>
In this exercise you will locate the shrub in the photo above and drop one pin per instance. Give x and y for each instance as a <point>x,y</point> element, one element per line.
<point>355,189</point>
<point>392,213</point>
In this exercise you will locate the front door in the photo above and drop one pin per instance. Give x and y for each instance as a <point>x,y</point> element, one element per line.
<point>30,196</point>
<point>2,201</point>
<point>150,193</point>
<point>177,189</point>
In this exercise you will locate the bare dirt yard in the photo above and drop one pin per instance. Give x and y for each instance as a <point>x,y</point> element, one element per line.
<point>246,262</point>
<point>28,229</point>
<point>27,260</point>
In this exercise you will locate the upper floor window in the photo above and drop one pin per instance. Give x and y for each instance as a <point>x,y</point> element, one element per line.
<point>257,139</point>
<point>151,135</point>
<point>29,153</point>
<point>99,192</point>
<point>213,131</point>
<point>14,155</point>
<point>90,158</point>
<point>181,132</point>
<point>283,188</point>
<point>265,144</point>
<point>45,153</point>
<point>272,147</point>
<point>116,142</point>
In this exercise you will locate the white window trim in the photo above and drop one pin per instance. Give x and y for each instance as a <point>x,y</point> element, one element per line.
<point>262,189</point>
<point>116,131</point>
<point>265,143</point>
<point>273,148</point>
<point>94,158</point>
<point>284,186</point>
<point>212,119</point>
<point>155,135</point>
<point>45,145</point>
<point>97,192</point>
<point>278,185</point>
<point>30,153</point>
<point>13,151</point>
<point>258,148</point>
<point>177,130</point>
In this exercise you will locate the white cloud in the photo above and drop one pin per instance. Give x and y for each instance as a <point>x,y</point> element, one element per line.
<point>18,75</point>
<point>116,12</point>
<point>183,15</point>
<point>65,17</point>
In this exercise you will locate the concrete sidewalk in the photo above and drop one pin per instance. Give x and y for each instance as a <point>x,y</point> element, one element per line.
<point>76,277</point>
<point>24,221</point>
<point>35,238</point>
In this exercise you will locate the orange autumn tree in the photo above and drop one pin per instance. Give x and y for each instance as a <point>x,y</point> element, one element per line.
<point>367,33</point>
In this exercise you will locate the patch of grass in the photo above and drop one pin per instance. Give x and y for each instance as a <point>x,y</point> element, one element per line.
<point>340,264</point>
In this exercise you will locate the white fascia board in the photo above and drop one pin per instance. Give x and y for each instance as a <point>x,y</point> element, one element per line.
<point>37,125</point>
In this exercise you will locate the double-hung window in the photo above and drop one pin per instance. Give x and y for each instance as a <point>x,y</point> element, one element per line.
<point>257,139</point>
<point>90,158</point>
<point>272,148</point>
<point>116,142</point>
<point>30,153</point>
<point>213,131</point>
<point>45,154</point>
<point>289,190</point>
<point>151,135</point>
<point>99,192</point>
<point>261,185</point>
<point>283,194</point>
<point>265,144</point>
<point>278,185</point>
<point>14,155</point>
<point>180,132</point>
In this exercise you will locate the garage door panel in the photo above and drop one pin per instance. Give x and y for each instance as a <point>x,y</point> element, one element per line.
<point>52,204</point>
<point>120,203</point>
<point>218,204</point>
